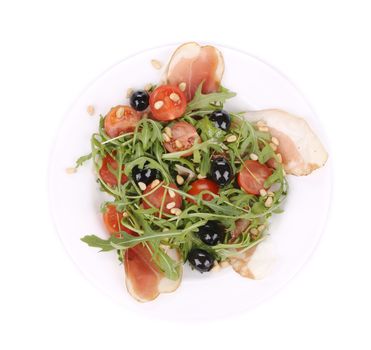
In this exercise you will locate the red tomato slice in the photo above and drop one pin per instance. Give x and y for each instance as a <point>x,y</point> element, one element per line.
<point>203,185</point>
<point>112,220</point>
<point>155,198</point>
<point>183,136</point>
<point>107,175</point>
<point>252,176</point>
<point>120,119</point>
<point>167,103</point>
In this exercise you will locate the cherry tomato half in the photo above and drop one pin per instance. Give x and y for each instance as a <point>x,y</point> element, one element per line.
<point>105,173</point>
<point>203,185</point>
<point>112,220</point>
<point>156,197</point>
<point>167,103</point>
<point>120,119</point>
<point>252,176</point>
<point>183,137</point>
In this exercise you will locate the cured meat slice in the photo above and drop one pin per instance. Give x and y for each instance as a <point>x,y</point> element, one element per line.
<point>143,278</point>
<point>301,150</point>
<point>191,64</point>
<point>256,262</point>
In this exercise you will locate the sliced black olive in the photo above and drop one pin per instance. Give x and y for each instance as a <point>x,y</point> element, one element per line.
<point>221,171</point>
<point>145,175</point>
<point>139,100</point>
<point>212,233</point>
<point>221,119</point>
<point>201,260</point>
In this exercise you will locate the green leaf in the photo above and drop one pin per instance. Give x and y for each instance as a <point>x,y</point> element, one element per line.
<point>266,154</point>
<point>208,129</point>
<point>169,266</point>
<point>277,176</point>
<point>205,163</point>
<point>83,159</point>
<point>258,208</point>
<point>204,101</point>
<point>96,242</point>
<point>196,156</point>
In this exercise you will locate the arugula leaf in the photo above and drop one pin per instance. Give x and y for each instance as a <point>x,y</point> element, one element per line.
<point>97,242</point>
<point>205,101</point>
<point>208,130</point>
<point>276,176</point>
<point>265,154</point>
<point>170,267</point>
<point>80,161</point>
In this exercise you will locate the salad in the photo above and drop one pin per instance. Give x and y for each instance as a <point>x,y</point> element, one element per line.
<point>190,180</point>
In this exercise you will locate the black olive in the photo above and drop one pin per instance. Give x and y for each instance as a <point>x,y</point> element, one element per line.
<point>200,259</point>
<point>139,100</point>
<point>221,119</point>
<point>145,175</point>
<point>212,233</point>
<point>221,171</point>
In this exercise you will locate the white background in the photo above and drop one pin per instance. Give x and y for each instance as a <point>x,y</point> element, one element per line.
<point>51,50</point>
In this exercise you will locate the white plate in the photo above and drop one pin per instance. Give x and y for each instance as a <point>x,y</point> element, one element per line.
<point>75,199</point>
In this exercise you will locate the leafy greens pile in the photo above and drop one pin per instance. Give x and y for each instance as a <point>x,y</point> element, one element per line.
<point>145,146</point>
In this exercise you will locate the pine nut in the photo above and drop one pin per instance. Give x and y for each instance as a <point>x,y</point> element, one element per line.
<point>148,87</point>
<point>279,156</point>
<point>275,141</point>
<point>178,144</point>
<point>129,92</point>
<point>176,211</point>
<point>231,138</point>
<point>263,192</point>
<point>261,123</point>
<point>270,194</point>
<point>156,64</point>
<point>168,132</point>
<point>120,112</point>
<point>263,129</point>
<point>170,205</point>
<point>90,109</point>
<point>125,214</point>
<point>142,186</point>
<point>216,267</point>
<point>253,156</point>
<point>199,176</point>
<point>155,183</point>
<point>158,104</point>
<point>261,228</point>
<point>182,86</point>
<point>179,180</point>
<point>273,146</point>
<point>254,231</point>
<point>71,170</point>
<point>171,193</point>
<point>268,203</point>
<point>224,263</point>
<point>174,97</point>
<point>166,137</point>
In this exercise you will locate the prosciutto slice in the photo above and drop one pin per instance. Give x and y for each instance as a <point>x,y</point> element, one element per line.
<point>191,64</point>
<point>143,278</point>
<point>301,150</point>
<point>256,262</point>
